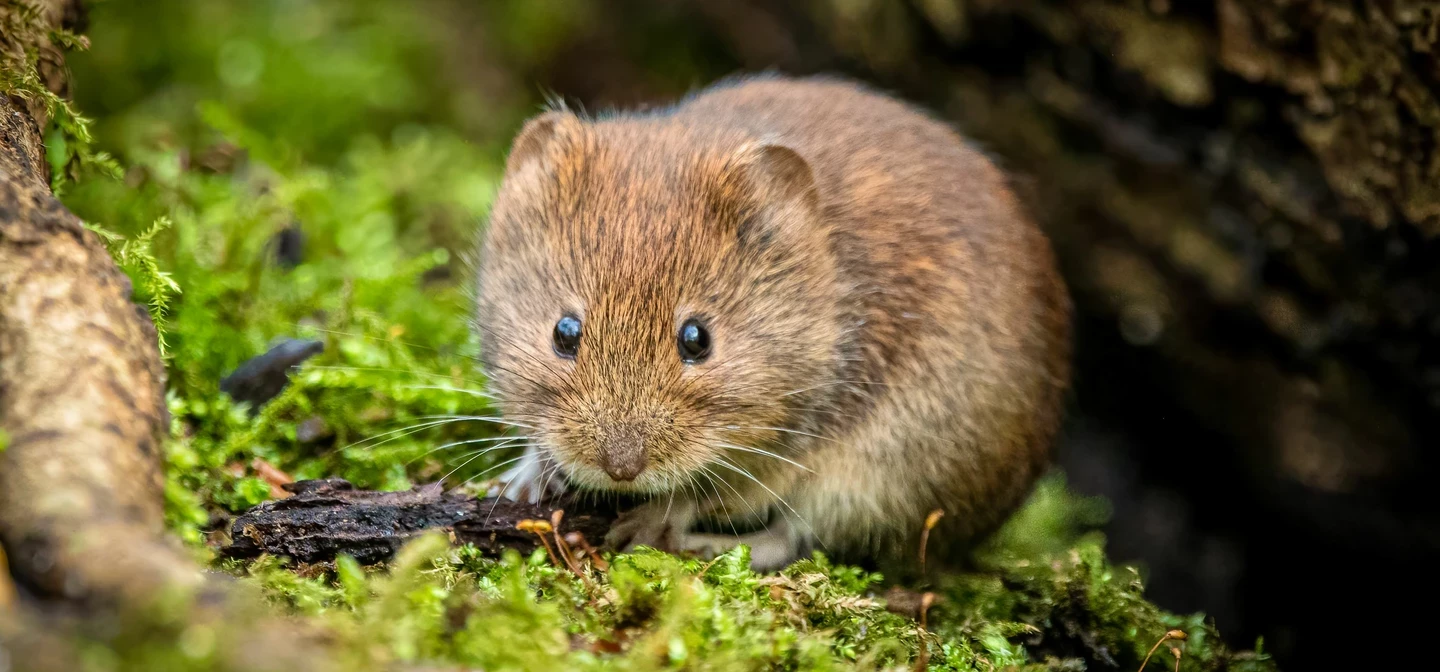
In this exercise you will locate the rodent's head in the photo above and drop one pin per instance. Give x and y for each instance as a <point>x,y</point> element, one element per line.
<point>651,292</point>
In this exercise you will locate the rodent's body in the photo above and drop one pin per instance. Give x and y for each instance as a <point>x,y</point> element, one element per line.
<point>882,313</point>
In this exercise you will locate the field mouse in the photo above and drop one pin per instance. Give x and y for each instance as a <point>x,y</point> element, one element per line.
<point>793,313</point>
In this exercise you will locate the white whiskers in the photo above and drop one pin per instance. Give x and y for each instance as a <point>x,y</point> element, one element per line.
<point>739,470</point>
<point>758,451</point>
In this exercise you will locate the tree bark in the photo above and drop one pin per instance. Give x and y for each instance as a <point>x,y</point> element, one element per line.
<point>82,411</point>
<point>81,390</point>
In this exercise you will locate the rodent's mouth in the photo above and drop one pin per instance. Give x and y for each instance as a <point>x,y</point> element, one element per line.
<point>648,482</point>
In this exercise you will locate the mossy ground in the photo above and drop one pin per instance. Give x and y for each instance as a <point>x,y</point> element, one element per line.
<point>236,121</point>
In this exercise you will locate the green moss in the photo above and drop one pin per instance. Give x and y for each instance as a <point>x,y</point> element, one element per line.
<point>650,610</point>
<point>236,121</point>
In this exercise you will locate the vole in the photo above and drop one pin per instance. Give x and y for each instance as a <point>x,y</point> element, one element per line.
<point>795,310</point>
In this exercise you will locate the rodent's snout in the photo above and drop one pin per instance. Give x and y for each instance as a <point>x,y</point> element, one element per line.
<point>622,452</point>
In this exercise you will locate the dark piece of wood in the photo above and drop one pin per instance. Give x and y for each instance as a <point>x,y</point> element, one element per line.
<point>328,517</point>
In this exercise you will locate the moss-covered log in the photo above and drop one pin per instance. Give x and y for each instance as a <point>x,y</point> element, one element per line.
<point>82,411</point>
<point>81,384</point>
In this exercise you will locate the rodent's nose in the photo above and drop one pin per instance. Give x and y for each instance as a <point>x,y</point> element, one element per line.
<point>622,455</point>
<point>623,470</point>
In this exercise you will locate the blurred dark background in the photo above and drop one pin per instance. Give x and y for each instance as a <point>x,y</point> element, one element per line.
<point>1245,197</point>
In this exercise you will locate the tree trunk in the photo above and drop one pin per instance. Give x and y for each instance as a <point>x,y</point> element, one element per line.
<point>81,389</point>
<point>82,415</point>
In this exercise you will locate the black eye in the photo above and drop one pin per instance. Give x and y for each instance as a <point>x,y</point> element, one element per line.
<point>567,336</point>
<point>694,341</point>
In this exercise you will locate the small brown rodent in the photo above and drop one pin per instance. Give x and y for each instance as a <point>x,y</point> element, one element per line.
<point>794,308</point>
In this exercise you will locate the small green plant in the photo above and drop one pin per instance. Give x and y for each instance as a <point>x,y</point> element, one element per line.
<point>155,287</point>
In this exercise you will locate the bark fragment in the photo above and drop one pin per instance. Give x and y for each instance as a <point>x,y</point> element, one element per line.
<point>327,517</point>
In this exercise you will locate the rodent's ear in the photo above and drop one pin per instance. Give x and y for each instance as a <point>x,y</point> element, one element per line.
<point>772,185</point>
<point>539,135</point>
<point>776,173</point>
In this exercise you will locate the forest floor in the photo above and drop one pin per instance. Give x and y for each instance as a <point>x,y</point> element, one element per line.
<point>281,178</point>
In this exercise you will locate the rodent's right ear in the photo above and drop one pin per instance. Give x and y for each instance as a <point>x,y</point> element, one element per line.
<point>540,136</point>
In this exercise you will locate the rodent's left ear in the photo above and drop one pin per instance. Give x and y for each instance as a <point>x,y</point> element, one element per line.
<point>777,174</point>
<point>770,188</point>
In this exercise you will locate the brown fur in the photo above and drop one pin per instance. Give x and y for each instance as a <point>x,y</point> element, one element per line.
<point>881,309</point>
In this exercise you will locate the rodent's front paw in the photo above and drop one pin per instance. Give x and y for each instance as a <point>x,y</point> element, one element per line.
<point>666,526</point>
<point>770,549</point>
<point>708,546</point>
<point>659,525</point>
<point>529,481</point>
